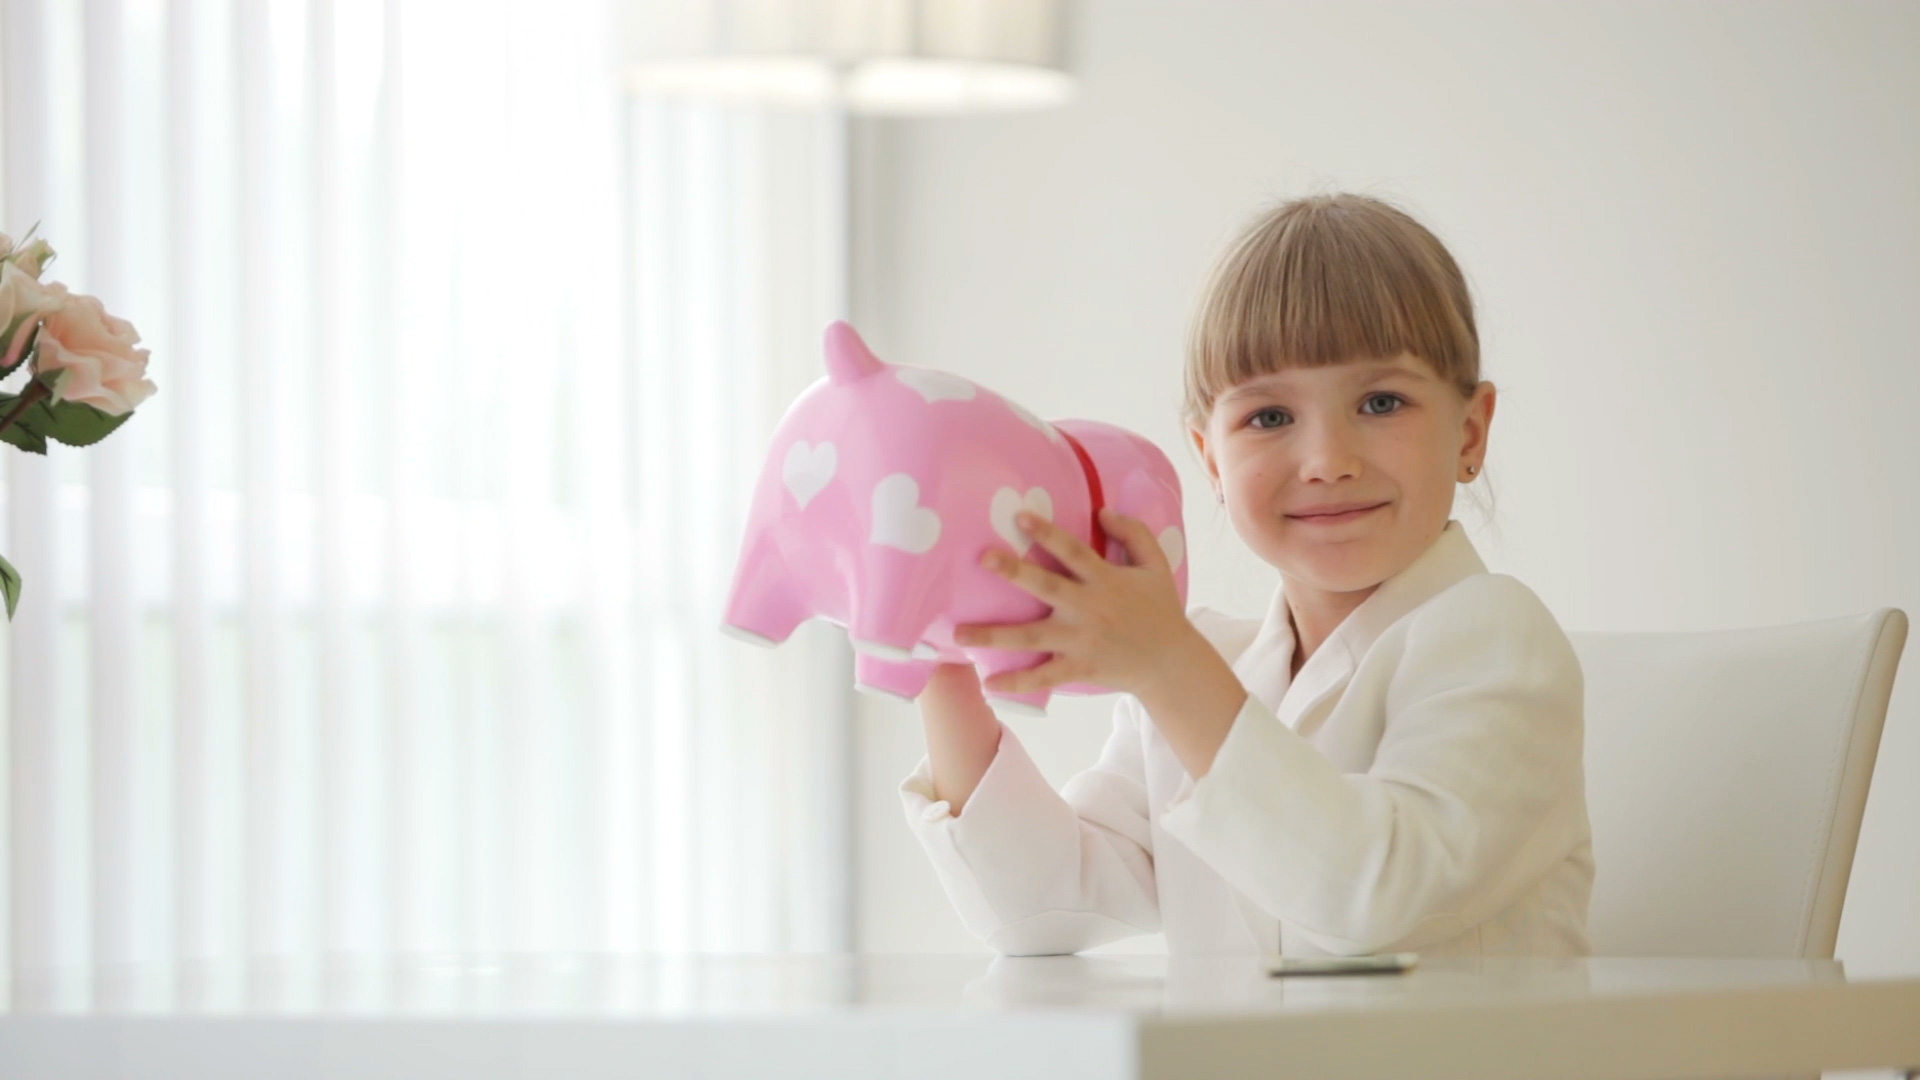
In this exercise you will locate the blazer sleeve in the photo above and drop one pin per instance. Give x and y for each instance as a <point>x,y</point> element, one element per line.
<point>1034,871</point>
<point>1476,791</point>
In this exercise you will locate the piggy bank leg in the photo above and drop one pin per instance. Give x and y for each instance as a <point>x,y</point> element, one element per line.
<point>903,679</point>
<point>993,662</point>
<point>897,598</point>
<point>762,608</point>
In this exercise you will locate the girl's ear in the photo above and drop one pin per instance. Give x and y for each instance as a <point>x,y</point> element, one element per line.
<point>1199,440</point>
<point>1479,419</point>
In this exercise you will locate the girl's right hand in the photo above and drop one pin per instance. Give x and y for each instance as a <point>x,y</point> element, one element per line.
<point>955,684</point>
<point>963,734</point>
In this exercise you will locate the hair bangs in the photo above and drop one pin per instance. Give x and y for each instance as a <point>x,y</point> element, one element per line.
<point>1322,281</point>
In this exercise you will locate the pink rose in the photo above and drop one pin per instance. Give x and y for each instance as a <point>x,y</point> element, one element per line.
<point>22,299</point>
<point>91,355</point>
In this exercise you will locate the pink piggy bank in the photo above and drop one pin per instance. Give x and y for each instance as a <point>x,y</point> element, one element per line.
<point>885,485</point>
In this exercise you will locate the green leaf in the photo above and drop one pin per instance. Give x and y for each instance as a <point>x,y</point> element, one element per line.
<point>24,432</point>
<point>68,422</point>
<point>10,584</point>
<point>73,423</point>
<point>31,442</point>
<point>24,439</point>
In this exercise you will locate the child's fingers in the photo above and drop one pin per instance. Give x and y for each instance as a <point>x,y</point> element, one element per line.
<point>1032,577</point>
<point>1072,552</point>
<point>1013,637</point>
<point>1143,548</point>
<point>1055,672</point>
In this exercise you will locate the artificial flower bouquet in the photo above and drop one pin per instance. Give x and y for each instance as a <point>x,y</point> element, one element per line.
<point>87,375</point>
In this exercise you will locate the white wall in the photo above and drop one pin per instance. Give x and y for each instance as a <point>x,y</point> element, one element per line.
<point>1693,230</point>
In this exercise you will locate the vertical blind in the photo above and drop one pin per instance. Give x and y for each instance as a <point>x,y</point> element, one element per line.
<point>390,623</point>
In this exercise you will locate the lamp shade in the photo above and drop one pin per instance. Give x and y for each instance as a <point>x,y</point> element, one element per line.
<point>871,56</point>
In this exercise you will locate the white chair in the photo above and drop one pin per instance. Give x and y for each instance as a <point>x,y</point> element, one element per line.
<point>1726,776</point>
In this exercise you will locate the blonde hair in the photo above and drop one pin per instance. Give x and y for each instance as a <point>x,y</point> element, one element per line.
<point>1325,279</point>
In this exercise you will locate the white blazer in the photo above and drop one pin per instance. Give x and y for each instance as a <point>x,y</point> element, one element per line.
<point>1420,786</point>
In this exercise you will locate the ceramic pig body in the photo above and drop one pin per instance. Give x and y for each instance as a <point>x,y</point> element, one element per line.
<point>884,486</point>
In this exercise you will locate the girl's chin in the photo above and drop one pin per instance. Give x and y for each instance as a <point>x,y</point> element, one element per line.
<point>1335,571</point>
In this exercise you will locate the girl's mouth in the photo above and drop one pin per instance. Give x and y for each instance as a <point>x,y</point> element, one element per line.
<point>1336,519</point>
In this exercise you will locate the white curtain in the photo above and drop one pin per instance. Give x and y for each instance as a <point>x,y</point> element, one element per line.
<point>390,624</point>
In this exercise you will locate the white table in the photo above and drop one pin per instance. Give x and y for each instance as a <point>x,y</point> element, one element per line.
<point>660,1017</point>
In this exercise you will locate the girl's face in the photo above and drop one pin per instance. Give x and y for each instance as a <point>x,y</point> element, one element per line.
<point>1383,440</point>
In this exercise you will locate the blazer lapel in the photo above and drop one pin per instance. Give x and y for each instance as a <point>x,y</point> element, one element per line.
<point>1324,674</point>
<point>1264,668</point>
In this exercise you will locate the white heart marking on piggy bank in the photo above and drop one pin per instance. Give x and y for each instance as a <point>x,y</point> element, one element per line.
<point>1007,502</point>
<point>898,518</point>
<point>935,385</point>
<point>1174,543</point>
<point>808,470</point>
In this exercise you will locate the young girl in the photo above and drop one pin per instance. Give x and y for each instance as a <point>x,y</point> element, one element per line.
<point>1391,760</point>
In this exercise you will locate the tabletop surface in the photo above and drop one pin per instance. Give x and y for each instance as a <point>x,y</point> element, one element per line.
<point>951,1017</point>
<point>719,985</point>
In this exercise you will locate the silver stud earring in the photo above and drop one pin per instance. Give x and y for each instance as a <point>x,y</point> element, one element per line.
<point>1471,469</point>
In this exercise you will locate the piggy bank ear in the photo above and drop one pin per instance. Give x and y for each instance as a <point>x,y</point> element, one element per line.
<point>848,357</point>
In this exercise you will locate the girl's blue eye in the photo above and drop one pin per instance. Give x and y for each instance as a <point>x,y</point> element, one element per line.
<point>1275,417</point>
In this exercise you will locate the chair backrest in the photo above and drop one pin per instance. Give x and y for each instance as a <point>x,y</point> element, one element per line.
<point>1726,775</point>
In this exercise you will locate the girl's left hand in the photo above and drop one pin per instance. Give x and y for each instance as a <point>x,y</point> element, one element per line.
<point>1120,627</point>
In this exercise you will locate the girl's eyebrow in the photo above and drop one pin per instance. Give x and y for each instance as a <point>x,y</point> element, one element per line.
<point>1364,371</point>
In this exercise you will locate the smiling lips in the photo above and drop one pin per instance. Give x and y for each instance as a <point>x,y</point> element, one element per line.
<point>1335,514</point>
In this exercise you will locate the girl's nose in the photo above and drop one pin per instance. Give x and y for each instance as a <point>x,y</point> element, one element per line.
<point>1329,453</point>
